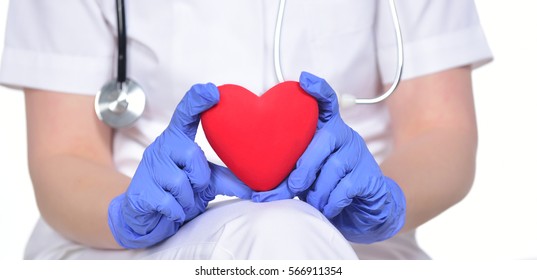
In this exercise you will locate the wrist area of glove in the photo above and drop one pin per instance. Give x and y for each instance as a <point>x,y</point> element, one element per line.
<point>373,221</point>
<point>126,237</point>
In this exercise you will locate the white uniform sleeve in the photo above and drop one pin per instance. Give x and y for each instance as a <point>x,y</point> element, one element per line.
<point>437,35</point>
<point>58,45</point>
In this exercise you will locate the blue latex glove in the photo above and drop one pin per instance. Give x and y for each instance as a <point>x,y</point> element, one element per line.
<point>341,178</point>
<point>172,183</point>
<point>230,185</point>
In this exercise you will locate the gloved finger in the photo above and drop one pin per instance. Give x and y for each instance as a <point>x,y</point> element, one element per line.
<point>226,183</point>
<point>142,210</point>
<point>152,197</point>
<point>174,181</point>
<point>137,213</point>
<point>201,200</point>
<point>308,165</point>
<point>208,194</point>
<point>340,197</point>
<point>374,215</point>
<point>367,187</point>
<point>180,189</point>
<point>323,92</point>
<point>140,236</point>
<point>198,99</point>
<point>282,191</point>
<point>190,158</point>
<point>331,174</point>
<point>130,239</point>
<point>170,208</point>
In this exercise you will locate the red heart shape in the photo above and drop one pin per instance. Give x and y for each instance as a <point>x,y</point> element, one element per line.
<point>261,138</point>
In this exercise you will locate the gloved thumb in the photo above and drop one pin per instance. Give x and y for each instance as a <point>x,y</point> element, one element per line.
<point>323,92</point>
<point>281,192</point>
<point>198,99</point>
<point>226,183</point>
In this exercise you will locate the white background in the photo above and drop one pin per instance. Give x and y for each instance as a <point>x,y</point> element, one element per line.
<point>497,220</point>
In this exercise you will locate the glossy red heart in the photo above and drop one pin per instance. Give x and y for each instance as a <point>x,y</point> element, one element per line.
<point>261,138</point>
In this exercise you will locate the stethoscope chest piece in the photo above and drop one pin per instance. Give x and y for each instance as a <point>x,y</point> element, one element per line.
<point>120,104</point>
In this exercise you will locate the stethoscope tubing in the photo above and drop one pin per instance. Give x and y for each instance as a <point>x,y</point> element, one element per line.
<point>121,42</point>
<point>349,99</point>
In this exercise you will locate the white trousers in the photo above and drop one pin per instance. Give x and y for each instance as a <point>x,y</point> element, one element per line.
<point>231,229</point>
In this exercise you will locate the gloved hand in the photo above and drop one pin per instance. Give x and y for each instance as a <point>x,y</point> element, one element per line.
<point>341,178</point>
<point>234,187</point>
<point>172,183</point>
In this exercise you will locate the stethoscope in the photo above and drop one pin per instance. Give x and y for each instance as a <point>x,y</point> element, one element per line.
<point>121,102</point>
